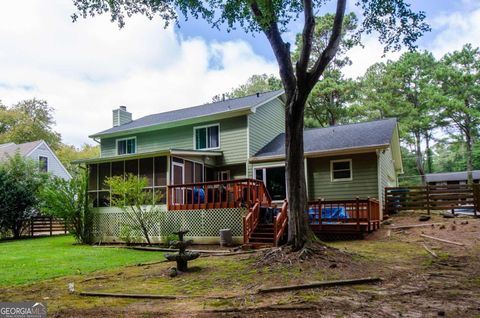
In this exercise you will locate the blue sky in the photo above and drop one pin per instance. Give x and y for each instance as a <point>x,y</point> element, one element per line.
<point>86,69</point>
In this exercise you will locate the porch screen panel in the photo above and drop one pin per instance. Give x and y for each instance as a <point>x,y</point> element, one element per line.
<point>103,174</point>
<point>92,177</point>
<point>131,167</point>
<point>160,171</point>
<point>198,172</point>
<point>118,169</point>
<point>146,170</point>
<point>188,171</point>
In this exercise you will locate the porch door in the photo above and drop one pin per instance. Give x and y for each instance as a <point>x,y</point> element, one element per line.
<point>178,175</point>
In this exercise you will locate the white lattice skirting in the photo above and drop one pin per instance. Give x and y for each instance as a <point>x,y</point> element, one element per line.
<point>204,225</point>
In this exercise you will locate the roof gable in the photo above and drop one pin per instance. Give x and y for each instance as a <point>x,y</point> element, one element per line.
<point>221,107</point>
<point>8,150</point>
<point>341,137</point>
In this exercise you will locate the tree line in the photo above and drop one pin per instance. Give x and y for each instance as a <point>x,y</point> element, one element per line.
<point>33,119</point>
<point>436,102</point>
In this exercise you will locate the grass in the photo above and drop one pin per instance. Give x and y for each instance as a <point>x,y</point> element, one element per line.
<point>32,260</point>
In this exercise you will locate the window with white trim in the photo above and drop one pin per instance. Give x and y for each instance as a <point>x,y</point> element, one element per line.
<point>207,137</point>
<point>126,146</point>
<point>341,170</point>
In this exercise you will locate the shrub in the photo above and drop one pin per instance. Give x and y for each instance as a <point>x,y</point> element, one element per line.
<point>69,200</point>
<point>20,181</point>
<point>130,195</point>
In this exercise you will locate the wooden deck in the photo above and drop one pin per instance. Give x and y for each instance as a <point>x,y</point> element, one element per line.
<point>217,195</point>
<point>344,216</point>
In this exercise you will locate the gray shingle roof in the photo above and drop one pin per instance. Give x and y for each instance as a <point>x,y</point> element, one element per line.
<point>10,149</point>
<point>451,176</point>
<point>360,135</point>
<point>195,111</point>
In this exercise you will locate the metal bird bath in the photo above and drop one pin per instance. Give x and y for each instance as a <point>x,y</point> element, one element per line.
<point>183,256</point>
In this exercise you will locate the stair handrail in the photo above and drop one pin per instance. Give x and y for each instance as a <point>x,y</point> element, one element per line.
<point>250,221</point>
<point>280,222</point>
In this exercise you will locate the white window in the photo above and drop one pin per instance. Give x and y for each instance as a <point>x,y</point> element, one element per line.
<point>126,146</point>
<point>43,163</point>
<point>207,137</point>
<point>341,170</point>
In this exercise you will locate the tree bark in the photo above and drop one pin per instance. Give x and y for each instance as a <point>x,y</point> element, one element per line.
<point>299,231</point>
<point>298,84</point>
<point>468,139</point>
<point>419,157</point>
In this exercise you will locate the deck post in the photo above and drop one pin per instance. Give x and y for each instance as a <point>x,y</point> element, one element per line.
<point>386,206</point>
<point>51,226</point>
<point>369,210</point>
<point>357,208</point>
<point>31,226</point>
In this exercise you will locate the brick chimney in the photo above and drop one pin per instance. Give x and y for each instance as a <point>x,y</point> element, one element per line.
<point>121,116</point>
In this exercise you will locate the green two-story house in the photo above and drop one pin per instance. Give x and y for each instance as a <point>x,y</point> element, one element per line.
<point>204,163</point>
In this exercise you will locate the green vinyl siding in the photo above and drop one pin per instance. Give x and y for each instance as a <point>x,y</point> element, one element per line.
<point>233,140</point>
<point>265,124</point>
<point>388,176</point>
<point>364,181</point>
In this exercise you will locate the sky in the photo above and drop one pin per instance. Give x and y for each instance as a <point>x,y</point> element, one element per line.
<point>86,69</point>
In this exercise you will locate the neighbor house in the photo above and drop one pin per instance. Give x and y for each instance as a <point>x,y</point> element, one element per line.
<point>443,178</point>
<point>207,166</point>
<point>39,152</point>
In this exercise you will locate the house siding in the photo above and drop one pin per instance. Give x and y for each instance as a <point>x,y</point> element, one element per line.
<point>364,181</point>
<point>55,167</point>
<point>233,140</point>
<point>388,176</point>
<point>265,124</point>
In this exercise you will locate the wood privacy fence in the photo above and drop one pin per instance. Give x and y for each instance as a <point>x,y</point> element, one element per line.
<point>46,225</point>
<point>455,197</point>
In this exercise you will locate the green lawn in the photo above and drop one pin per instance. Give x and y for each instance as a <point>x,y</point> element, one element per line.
<point>31,260</point>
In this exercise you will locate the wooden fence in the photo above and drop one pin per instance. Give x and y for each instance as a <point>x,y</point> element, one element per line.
<point>46,225</point>
<point>455,197</point>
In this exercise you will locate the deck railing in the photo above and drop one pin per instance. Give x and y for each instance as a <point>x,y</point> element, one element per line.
<point>280,223</point>
<point>250,221</point>
<point>359,213</point>
<point>217,194</point>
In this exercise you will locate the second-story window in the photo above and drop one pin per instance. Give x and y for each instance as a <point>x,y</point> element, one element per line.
<point>207,137</point>
<point>126,146</point>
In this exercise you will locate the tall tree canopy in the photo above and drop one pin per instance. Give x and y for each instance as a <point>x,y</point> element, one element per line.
<point>406,89</point>
<point>393,20</point>
<point>28,120</point>
<point>459,76</point>
<point>257,83</point>
<point>327,104</point>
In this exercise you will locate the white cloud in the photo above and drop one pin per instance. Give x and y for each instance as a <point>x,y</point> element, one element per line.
<point>85,69</point>
<point>454,30</point>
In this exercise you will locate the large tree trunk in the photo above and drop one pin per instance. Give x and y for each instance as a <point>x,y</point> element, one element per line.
<point>299,231</point>
<point>428,152</point>
<point>468,139</point>
<point>419,157</point>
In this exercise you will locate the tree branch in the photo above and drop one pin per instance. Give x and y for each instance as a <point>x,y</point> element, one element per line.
<point>280,48</point>
<point>332,47</point>
<point>307,39</point>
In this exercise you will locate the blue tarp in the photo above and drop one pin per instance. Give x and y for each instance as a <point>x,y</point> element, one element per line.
<point>327,213</point>
<point>198,192</point>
